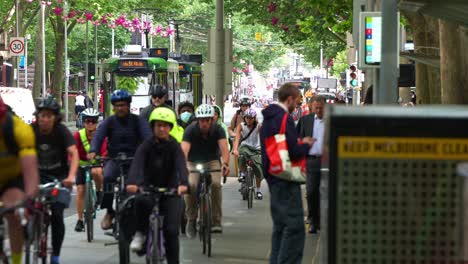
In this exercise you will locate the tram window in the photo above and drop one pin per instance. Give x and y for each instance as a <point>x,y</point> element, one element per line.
<point>162,78</point>
<point>185,83</point>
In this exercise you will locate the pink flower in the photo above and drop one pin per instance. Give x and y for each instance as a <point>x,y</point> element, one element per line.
<point>120,20</point>
<point>96,23</point>
<point>285,28</point>
<point>80,20</point>
<point>111,25</point>
<point>29,1</point>
<point>88,16</point>
<point>59,1</point>
<point>272,7</point>
<point>147,25</point>
<point>72,13</point>
<point>104,20</point>
<point>274,21</point>
<point>49,3</point>
<point>169,31</point>
<point>158,29</point>
<point>58,11</point>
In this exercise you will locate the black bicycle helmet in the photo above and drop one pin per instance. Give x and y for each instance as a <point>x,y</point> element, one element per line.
<point>245,101</point>
<point>158,90</point>
<point>50,104</point>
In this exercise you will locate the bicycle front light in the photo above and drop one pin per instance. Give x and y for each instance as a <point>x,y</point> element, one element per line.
<point>199,167</point>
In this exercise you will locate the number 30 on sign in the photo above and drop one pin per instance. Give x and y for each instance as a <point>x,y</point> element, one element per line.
<point>16,46</point>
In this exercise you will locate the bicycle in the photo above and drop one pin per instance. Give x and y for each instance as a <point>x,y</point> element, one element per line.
<point>204,200</point>
<point>49,193</point>
<point>119,195</point>
<point>3,211</point>
<point>90,204</point>
<point>155,251</point>
<point>247,185</point>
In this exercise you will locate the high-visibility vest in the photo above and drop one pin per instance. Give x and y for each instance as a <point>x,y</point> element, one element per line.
<point>177,132</point>
<point>86,145</point>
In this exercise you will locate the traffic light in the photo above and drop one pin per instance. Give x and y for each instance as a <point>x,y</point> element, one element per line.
<point>343,79</point>
<point>353,75</point>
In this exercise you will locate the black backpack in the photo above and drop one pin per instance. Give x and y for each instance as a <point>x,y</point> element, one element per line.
<point>8,134</point>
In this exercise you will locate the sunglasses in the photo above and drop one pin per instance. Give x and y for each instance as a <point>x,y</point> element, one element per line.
<point>88,121</point>
<point>158,96</point>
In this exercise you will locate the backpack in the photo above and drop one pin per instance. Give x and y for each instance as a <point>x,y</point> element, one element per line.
<point>8,134</point>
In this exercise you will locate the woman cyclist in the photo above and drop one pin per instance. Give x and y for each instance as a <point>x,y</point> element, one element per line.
<point>247,145</point>
<point>83,139</point>
<point>58,160</point>
<point>159,162</point>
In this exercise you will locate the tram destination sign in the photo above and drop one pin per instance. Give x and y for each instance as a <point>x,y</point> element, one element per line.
<point>124,64</point>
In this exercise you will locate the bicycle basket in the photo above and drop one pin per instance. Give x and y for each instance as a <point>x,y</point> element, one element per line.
<point>127,216</point>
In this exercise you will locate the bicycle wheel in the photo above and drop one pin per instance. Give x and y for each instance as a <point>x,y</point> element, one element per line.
<point>208,223</point>
<point>124,249</point>
<point>29,235</point>
<point>37,224</point>
<point>250,189</point>
<point>202,223</point>
<point>155,244</point>
<point>43,242</point>
<point>89,211</point>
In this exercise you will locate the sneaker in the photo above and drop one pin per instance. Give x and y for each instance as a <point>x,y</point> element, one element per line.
<point>137,242</point>
<point>106,222</point>
<point>79,227</point>
<point>259,196</point>
<point>191,230</point>
<point>216,229</point>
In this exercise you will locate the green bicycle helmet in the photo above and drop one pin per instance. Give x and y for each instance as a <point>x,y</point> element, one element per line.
<point>163,114</point>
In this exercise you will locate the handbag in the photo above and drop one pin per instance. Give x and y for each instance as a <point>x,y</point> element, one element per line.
<point>281,165</point>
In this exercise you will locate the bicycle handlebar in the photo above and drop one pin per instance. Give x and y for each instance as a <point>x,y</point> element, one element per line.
<point>158,190</point>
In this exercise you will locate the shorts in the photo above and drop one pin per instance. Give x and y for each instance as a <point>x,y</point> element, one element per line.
<point>79,109</point>
<point>14,183</point>
<point>80,178</point>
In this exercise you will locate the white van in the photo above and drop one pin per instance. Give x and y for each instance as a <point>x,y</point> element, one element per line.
<point>21,101</point>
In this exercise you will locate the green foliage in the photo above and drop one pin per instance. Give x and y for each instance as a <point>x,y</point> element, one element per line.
<point>129,84</point>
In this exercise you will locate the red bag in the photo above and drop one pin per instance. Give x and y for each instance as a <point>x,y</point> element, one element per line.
<point>281,165</point>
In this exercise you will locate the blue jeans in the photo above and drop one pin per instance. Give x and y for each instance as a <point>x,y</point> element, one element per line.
<point>287,242</point>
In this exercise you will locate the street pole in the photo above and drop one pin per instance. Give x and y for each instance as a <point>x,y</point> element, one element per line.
<point>18,58</point>
<point>26,39</point>
<point>66,61</point>
<point>44,80</point>
<point>220,54</point>
<point>95,69</point>
<point>388,86</point>
<point>321,59</point>
<point>87,57</point>
<point>112,48</point>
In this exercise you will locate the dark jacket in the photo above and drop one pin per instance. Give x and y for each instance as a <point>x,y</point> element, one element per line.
<point>160,163</point>
<point>305,126</point>
<point>145,113</point>
<point>272,117</point>
<point>124,135</point>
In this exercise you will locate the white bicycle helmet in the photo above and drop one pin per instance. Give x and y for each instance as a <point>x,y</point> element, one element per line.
<point>204,110</point>
<point>90,113</point>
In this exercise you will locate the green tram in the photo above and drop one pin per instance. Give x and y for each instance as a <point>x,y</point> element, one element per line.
<point>137,70</point>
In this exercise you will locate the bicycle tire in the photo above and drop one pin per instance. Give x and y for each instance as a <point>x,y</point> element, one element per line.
<point>29,241</point>
<point>37,238</point>
<point>208,223</point>
<point>250,189</point>
<point>43,242</point>
<point>202,224</point>
<point>124,249</point>
<point>155,243</point>
<point>89,212</point>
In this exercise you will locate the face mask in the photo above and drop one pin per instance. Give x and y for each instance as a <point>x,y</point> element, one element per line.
<point>185,117</point>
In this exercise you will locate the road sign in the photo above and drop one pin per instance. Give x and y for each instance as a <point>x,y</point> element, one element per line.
<point>16,46</point>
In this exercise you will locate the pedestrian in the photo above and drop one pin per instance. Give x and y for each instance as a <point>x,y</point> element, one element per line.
<point>312,125</point>
<point>287,211</point>
<point>88,102</point>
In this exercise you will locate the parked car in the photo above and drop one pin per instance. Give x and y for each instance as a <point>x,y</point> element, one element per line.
<point>21,102</point>
<point>330,98</point>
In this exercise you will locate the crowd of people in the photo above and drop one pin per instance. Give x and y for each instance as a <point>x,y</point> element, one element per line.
<point>166,144</point>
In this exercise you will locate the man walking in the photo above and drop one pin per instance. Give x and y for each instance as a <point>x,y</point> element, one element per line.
<point>313,125</point>
<point>286,203</point>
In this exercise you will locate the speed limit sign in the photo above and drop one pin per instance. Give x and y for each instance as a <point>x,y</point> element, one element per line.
<point>16,46</point>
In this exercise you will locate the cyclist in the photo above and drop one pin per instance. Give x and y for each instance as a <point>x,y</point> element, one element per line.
<point>18,177</point>
<point>203,143</point>
<point>247,144</point>
<point>58,159</point>
<point>124,131</point>
<point>218,118</point>
<point>158,98</point>
<point>159,162</point>
<point>238,118</point>
<point>186,116</point>
<point>83,140</point>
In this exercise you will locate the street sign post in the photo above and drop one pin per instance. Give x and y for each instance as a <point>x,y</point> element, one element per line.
<point>16,46</point>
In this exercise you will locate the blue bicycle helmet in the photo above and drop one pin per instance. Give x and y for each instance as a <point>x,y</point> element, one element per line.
<point>121,95</point>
